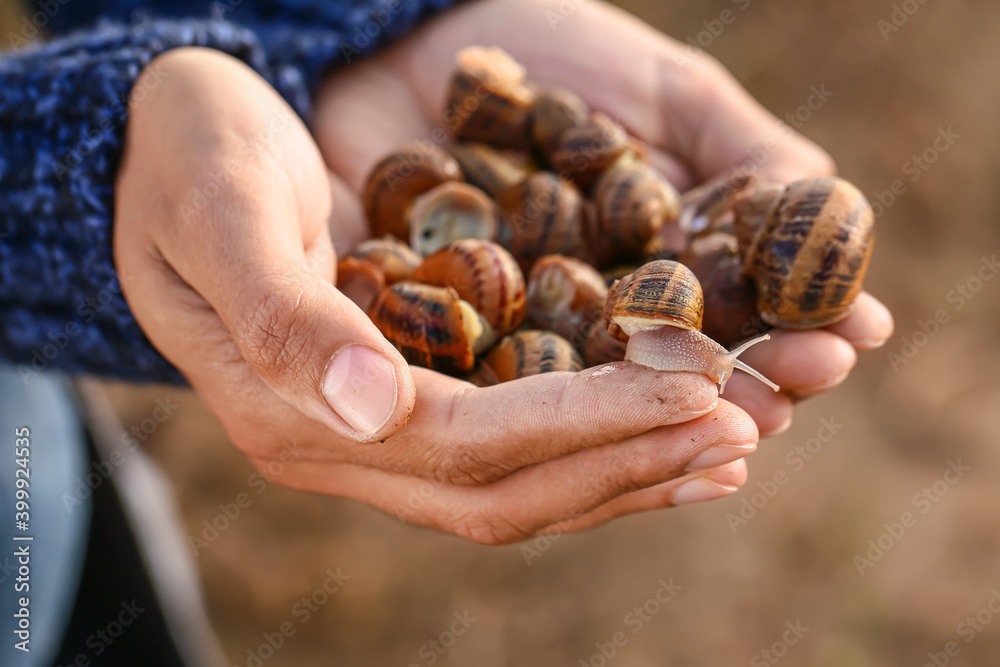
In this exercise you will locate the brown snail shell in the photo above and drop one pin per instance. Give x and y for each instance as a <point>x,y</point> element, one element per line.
<point>431,326</point>
<point>532,352</point>
<point>554,111</point>
<point>660,310</point>
<point>488,169</point>
<point>542,216</point>
<point>566,296</point>
<point>730,297</point>
<point>372,265</point>
<point>485,275</point>
<point>488,100</point>
<point>810,251</point>
<point>398,179</point>
<point>602,348</point>
<point>449,212</point>
<point>584,153</point>
<point>634,201</point>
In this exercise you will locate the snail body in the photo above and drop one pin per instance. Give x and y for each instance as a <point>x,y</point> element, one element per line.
<point>659,311</point>
<point>484,275</point>
<point>809,247</point>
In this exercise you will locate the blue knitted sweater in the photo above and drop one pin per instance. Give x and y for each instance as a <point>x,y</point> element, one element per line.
<point>63,110</point>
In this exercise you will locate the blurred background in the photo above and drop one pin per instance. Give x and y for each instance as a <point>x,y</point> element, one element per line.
<point>811,561</point>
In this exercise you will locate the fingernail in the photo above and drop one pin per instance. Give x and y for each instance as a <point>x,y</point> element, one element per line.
<point>360,386</point>
<point>719,455</point>
<point>699,490</point>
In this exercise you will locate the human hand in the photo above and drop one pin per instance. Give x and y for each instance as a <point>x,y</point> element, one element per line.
<point>698,121</point>
<point>222,212</point>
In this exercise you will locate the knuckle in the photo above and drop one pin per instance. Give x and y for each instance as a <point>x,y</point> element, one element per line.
<point>275,334</point>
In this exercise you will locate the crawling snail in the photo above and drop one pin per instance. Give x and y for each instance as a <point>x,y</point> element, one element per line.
<point>658,310</point>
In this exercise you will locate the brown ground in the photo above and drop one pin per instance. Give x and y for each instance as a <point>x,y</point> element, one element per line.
<point>794,560</point>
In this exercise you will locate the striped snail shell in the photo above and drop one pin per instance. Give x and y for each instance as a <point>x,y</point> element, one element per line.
<point>602,348</point>
<point>484,275</point>
<point>554,111</point>
<point>372,265</point>
<point>659,310</point>
<point>809,247</point>
<point>489,169</point>
<point>584,153</point>
<point>532,352</point>
<point>566,296</point>
<point>634,201</point>
<point>542,216</point>
<point>431,326</point>
<point>398,179</point>
<point>488,100</point>
<point>449,212</point>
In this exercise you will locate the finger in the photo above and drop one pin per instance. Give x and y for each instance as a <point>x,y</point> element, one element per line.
<point>803,362</point>
<point>692,488</point>
<point>868,327</point>
<point>488,433</point>
<point>771,411</point>
<point>523,503</point>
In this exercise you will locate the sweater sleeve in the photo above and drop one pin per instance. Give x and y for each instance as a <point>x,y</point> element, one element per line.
<point>63,109</point>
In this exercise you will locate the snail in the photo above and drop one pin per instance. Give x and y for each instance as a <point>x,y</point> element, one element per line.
<point>431,326</point>
<point>541,216</point>
<point>489,169</point>
<point>554,111</point>
<point>658,310</point>
<point>807,247</point>
<point>565,296</point>
<point>730,297</point>
<point>488,100</point>
<point>398,179</point>
<point>449,212</point>
<point>529,353</point>
<point>484,275</point>
<point>584,153</point>
<point>372,265</point>
<point>633,202</point>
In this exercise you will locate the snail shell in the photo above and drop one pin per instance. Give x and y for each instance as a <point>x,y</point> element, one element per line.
<point>488,100</point>
<point>810,251</point>
<point>566,296</point>
<point>489,169</point>
<point>730,297</point>
<point>542,216</point>
<point>554,111</point>
<point>584,153</point>
<point>483,274</point>
<point>398,180</point>
<point>660,310</point>
<point>531,352</point>
<point>374,263</point>
<point>633,202</point>
<point>431,326</point>
<point>449,212</point>
<point>602,348</point>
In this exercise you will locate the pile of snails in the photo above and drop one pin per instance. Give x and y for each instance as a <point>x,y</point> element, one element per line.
<point>542,240</point>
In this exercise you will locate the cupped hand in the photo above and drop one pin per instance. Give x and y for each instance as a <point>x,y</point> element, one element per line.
<point>222,221</point>
<point>698,122</point>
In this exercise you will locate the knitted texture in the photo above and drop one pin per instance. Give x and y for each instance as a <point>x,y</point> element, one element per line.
<point>63,111</point>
